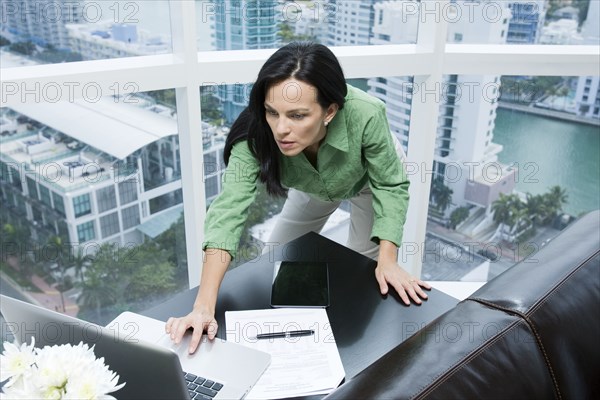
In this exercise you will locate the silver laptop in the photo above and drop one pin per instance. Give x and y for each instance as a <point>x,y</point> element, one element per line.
<point>137,349</point>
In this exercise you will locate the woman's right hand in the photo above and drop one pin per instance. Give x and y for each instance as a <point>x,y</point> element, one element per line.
<point>199,319</point>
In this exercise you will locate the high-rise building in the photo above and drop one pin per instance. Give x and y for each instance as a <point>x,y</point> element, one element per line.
<point>350,22</point>
<point>526,21</point>
<point>465,157</point>
<point>587,94</point>
<point>240,25</point>
<point>43,21</point>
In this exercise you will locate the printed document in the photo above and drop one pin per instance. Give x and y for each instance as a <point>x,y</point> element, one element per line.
<point>304,365</point>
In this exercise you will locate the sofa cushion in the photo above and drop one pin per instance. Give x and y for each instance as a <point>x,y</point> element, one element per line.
<point>556,291</point>
<point>530,333</point>
<point>471,351</point>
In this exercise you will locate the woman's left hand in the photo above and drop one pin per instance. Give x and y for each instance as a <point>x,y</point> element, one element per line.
<point>390,273</point>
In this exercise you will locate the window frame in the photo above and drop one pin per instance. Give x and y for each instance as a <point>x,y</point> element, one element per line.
<point>186,69</point>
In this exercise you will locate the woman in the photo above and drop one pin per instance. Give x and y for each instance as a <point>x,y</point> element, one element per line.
<point>307,130</point>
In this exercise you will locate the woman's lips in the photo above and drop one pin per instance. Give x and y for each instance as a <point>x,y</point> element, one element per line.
<point>285,144</point>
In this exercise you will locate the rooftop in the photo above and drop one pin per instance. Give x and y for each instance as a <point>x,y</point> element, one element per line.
<point>113,127</point>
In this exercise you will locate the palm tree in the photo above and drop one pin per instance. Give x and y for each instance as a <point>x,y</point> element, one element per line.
<point>96,291</point>
<point>440,194</point>
<point>555,199</point>
<point>536,208</point>
<point>457,216</point>
<point>444,198</point>
<point>79,261</point>
<point>501,209</point>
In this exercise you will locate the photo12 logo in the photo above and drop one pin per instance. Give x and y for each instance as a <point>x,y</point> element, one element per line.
<point>68,12</point>
<point>53,92</point>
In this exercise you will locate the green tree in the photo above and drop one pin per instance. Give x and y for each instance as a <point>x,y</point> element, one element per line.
<point>441,194</point>
<point>96,291</point>
<point>79,260</point>
<point>505,208</point>
<point>555,199</point>
<point>57,248</point>
<point>150,280</point>
<point>54,56</point>
<point>536,208</point>
<point>25,48</point>
<point>4,41</point>
<point>165,97</point>
<point>583,6</point>
<point>458,215</point>
<point>287,34</point>
<point>212,110</point>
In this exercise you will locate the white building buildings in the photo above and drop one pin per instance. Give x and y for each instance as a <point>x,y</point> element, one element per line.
<point>42,21</point>
<point>587,94</point>
<point>563,31</point>
<point>350,22</point>
<point>97,171</point>
<point>112,40</point>
<point>306,19</point>
<point>465,157</point>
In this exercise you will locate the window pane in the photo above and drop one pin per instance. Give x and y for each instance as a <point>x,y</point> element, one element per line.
<point>267,24</point>
<point>45,196</point>
<point>128,191</point>
<point>518,21</point>
<point>97,166</point>
<point>86,231</point>
<point>106,198</point>
<point>82,205</point>
<point>130,216</point>
<point>51,31</point>
<point>514,160</point>
<point>109,225</point>
<point>59,204</point>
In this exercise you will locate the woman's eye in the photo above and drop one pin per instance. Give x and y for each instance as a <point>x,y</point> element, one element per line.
<point>271,112</point>
<point>297,116</point>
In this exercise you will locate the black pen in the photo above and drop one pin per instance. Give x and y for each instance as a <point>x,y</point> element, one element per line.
<point>287,334</point>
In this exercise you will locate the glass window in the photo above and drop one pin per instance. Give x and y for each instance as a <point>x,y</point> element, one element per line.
<point>45,196</point>
<point>32,188</point>
<point>59,204</point>
<point>517,22</point>
<point>86,232</point>
<point>165,201</point>
<point>130,216</point>
<point>109,225</point>
<point>65,31</point>
<point>498,195</point>
<point>82,205</point>
<point>109,148</point>
<point>127,191</point>
<point>106,198</point>
<point>268,24</point>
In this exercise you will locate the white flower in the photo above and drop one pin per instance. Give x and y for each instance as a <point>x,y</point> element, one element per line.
<point>57,372</point>
<point>15,362</point>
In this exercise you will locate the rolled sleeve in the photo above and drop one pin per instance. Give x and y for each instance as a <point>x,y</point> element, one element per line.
<point>387,179</point>
<point>228,213</point>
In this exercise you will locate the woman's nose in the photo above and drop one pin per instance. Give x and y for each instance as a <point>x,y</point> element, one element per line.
<point>283,126</point>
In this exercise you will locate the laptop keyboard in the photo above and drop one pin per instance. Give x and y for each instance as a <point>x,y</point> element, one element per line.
<point>201,388</point>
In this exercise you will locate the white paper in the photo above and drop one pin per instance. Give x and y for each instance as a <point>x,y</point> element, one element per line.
<point>299,365</point>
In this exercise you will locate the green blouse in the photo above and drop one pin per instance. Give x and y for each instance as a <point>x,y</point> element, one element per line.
<point>358,150</point>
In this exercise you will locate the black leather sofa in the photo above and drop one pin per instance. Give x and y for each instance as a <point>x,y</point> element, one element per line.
<point>533,332</point>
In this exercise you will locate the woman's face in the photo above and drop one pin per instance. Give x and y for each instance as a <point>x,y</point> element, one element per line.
<point>295,117</point>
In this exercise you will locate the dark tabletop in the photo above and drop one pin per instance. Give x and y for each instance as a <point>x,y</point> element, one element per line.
<point>366,325</point>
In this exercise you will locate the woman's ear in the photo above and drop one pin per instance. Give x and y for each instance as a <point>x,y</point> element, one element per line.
<point>331,111</point>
